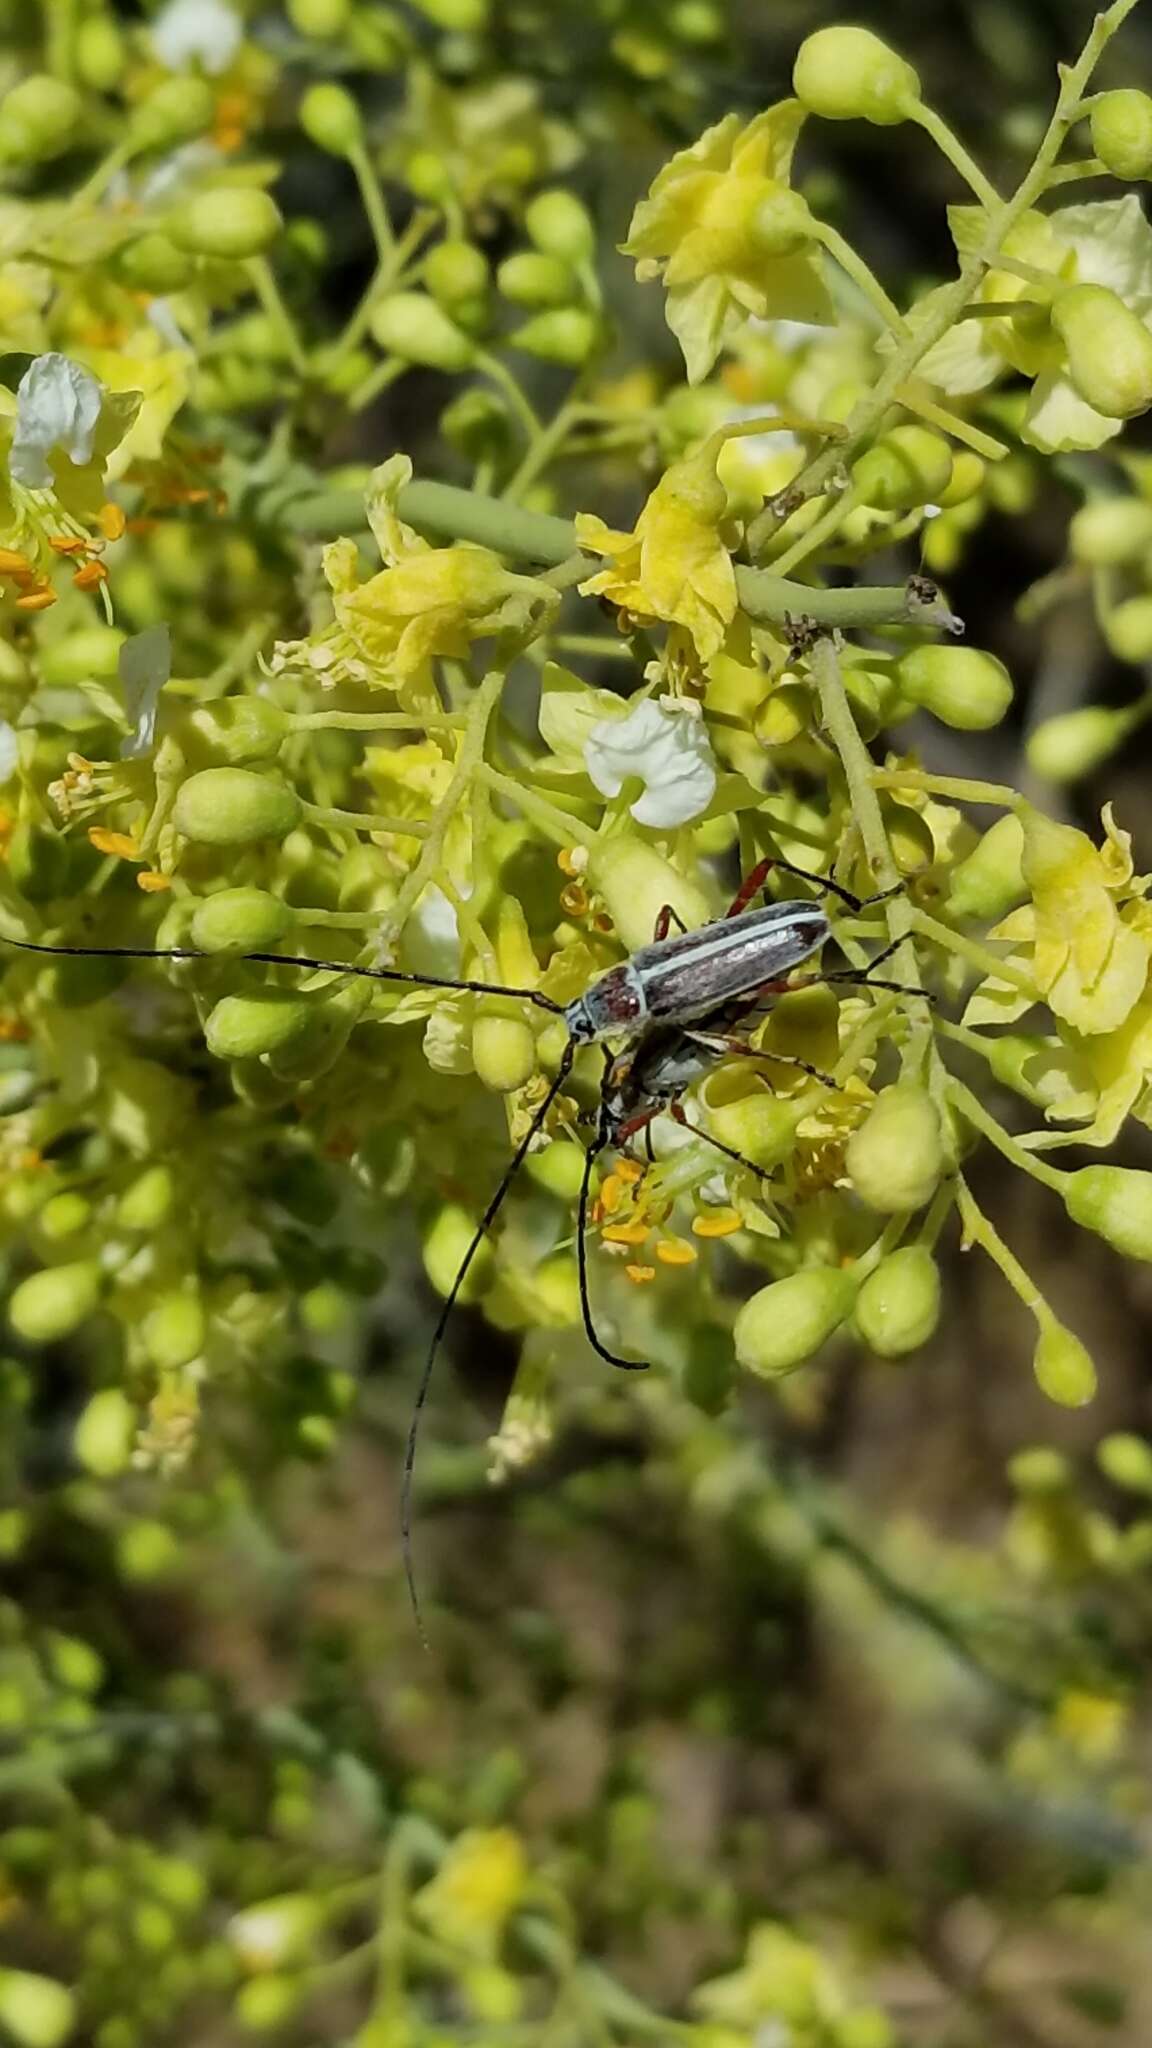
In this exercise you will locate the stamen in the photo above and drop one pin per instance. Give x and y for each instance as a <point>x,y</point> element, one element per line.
<point>676,1251</point>
<point>120,844</point>
<point>719,1223</point>
<point>152,881</point>
<point>640,1274</point>
<point>112,521</point>
<point>627,1233</point>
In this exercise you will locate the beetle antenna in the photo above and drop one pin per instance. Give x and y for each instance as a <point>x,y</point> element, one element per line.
<point>601,1350</point>
<point>449,1303</point>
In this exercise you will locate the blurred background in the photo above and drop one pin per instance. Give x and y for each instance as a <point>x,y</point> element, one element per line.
<point>838,1703</point>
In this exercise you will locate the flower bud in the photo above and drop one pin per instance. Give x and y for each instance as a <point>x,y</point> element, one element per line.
<point>456,272</point>
<point>38,118</point>
<point>909,836</point>
<point>54,1302</point>
<point>477,426</point>
<point>785,1323</point>
<point>1115,1202</point>
<point>320,19</point>
<point>961,686</point>
<point>567,335</point>
<point>35,2012</point>
<point>413,327</point>
<point>250,1026</point>
<point>560,225</point>
<point>240,921</point>
<point>760,1126</point>
<point>989,882</point>
<point>908,467</point>
<point>145,1551</point>
<point>559,1169</point>
<point>230,223</point>
<point>330,118</point>
<point>1127,1461</point>
<point>240,729</point>
<point>969,472</point>
<point>63,1216</point>
<point>848,74</point>
<point>1128,629</point>
<point>173,1331</point>
<point>898,1307</point>
<point>234,807</point>
<point>503,1052</point>
<point>1063,1369</point>
<point>896,1156</point>
<point>636,883</point>
<point>1107,532</point>
<point>1121,128</point>
<point>1064,748</point>
<point>782,223</point>
<point>1109,350</point>
<point>100,53</point>
<point>147,1202</point>
<point>153,263</point>
<point>103,1437</point>
<point>529,278</point>
<point>444,1248</point>
<point>176,111</point>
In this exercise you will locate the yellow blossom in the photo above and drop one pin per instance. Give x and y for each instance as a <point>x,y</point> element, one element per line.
<point>1090,958</point>
<point>708,225</point>
<point>476,1889</point>
<point>675,565</point>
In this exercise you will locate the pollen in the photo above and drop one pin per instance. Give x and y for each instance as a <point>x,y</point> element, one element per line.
<point>676,1251</point>
<point>640,1275</point>
<point>718,1223</point>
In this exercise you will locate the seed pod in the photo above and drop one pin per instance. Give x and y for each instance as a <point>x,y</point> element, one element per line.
<point>230,223</point>
<point>240,921</point>
<point>1064,1371</point>
<point>896,1157</point>
<point>636,882</point>
<point>1109,350</point>
<point>176,111</point>
<point>560,225</point>
<point>1127,1461</point>
<point>1128,629</point>
<point>103,1436</point>
<point>908,467</point>
<point>1121,128</point>
<point>54,1302</point>
<point>38,118</point>
<point>35,2011</point>
<point>898,1307</point>
<point>1107,532</point>
<point>234,807</point>
<point>787,1322</point>
<point>848,74</point>
<point>147,1202</point>
<point>503,1052</point>
<point>529,278</point>
<point>412,326</point>
<point>456,272</point>
<point>961,686</point>
<point>1065,748</point>
<point>251,1026</point>
<point>568,335</point>
<point>990,881</point>
<point>1115,1202</point>
<point>330,118</point>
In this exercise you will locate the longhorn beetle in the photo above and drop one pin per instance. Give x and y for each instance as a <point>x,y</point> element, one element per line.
<point>673,1003</point>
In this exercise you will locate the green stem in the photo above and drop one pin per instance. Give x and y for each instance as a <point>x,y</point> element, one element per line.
<point>366,821</point>
<point>546,445</point>
<point>943,1203</point>
<point>498,373</point>
<point>986,962</point>
<point>982,1120</point>
<point>560,825</point>
<point>950,423</point>
<point>978,1230</point>
<point>950,303</point>
<point>999,794</point>
<point>1072,173</point>
<point>468,760</point>
<point>267,291</point>
<point>951,146</point>
<point>373,201</point>
<point>869,286</point>
<point>376,721</point>
<point>379,377</point>
<point>821,530</point>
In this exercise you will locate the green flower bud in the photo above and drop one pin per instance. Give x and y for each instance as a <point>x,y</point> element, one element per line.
<point>321,19</point>
<point>559,1169</point>
<point>1017,1060</point>
<point>910,466</point>
<point>782,223</point>
<point>1063,1369</point>
<point>146,1551</point>
<point>1121,127</point>
<point>234,807</point>
<point>1115,1202</point>
<point>35,2011</point>
<point>785,713</point>
<point>264,2005</point>
<point>909,836</point>
<point>239,729</point>
<point>1127,1461</point>
<point>38,118</point>
<point>477,426</point>
<point>961,686</point>
<point>146,1204</point>
<point>240,921</point>
<point>103,1437</point>
<point>567,335</point>
<point>559,225</point>
<point>503,1052</point>
<point>848,74</point>
<point>1039,1471</point>
<point>760,1126</point>
<point>636,882</point>
<point>252,1026</point>
<point>1128,629</point>
<point>989,882</point>
<point>898,1307</point>
<point>100,53</point>
<point>154,264</point>
<point>529,278</point>
<point>52,1303</point>
<point>428,175</point>
<point>1109,350</point>
<point>330,118</point>
<point>413,327</point>
<point>969,472</point>
<point>174,1330</point>
<point>230,223</point>
<point>63,1216</point>
<point>456,272</point>
<point>1107,532</point>
<point>1063,749</point>
<point>444,1248</point>
<point>785,1323</point>
<point>176,111</point>
<point>896,1157</point>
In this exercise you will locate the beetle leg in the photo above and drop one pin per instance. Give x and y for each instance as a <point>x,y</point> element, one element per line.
<point>664,923</point>
<point>754,882</point>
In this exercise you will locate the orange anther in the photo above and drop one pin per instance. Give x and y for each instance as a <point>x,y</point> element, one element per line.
<point>68,543</point>
<point>36,600</point>
<point>112,521</point>
<point>611,1194</point>
<point>574,900</point>
<point>565,862</point>
<point>625,1233</point>
<point>152,881</point>
<point>90,576</point>
<point>721,1223</point>
<point>676,1251</point>
<point>640,1274</point>
<point>628,1171</point>
<point>121,844</point>
<point>13,563</point>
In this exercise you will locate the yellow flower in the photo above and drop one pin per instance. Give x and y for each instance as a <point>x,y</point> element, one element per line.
<point>711,226</point>
<point>476,1889</point>
<point>674,566</point>
<point>1090,954</point>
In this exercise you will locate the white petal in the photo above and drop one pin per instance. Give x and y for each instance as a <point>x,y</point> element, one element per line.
<point>664,746</point>
<point>144,664</point>
<point>204,32</point>
<point>57,406</point>
<point>9,751</point>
